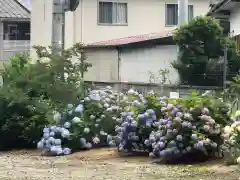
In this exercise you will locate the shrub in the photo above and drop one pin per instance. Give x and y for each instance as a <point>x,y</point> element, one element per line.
<point>231,146</point>
<point>21,118</point>
<point>182,126</point>
<point>161,126</point>
<point>32,91</point>
<point>89,124</point>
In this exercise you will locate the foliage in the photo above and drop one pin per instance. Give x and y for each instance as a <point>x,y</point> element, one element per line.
<point>202,45</point>
<point>31,91</point>
<point>21,118</point>
<point>162,77</point>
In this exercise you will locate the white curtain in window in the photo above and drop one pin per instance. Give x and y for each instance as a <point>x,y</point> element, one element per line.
<point>119,13</point>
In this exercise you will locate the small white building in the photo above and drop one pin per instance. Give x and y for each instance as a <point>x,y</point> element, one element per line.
<point>14,28</point>
<point>132,59</point>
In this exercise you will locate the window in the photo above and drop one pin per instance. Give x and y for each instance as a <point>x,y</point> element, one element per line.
<point>172,14</point>
<point>112,13</point>
<point>16,31</point>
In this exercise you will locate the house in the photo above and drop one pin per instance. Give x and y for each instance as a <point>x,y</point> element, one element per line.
<point>14,28</point>
<point>127,39</point>
<point>132,59</point>
<point>228,13</point>
<point>101,20</point>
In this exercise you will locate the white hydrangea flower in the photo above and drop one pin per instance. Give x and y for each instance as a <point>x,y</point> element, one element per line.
<point>67,125</point>
<point>237,113</point>
<point>238,160</point>
<point>131,91</point>
<point>106,105</point>
<point>103,133</point>
<point>57,117</point>
<point>227,130</point>
<point>86,130</point>
<point>96,140</point>
<point>92,117</point>
<point>69,106</point>
<point>65,133</point>
<point>95,97</point>
<point>76,120</point>
<point>83,141</point>
<point>40,145</point>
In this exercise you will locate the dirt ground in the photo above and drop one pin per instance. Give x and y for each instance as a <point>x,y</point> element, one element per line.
<point>104,164</point>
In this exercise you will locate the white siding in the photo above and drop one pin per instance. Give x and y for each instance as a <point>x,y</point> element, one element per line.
<point>234,20</point>
<point>144,16</point>
<point>136,64</point>
<point>104,65</point>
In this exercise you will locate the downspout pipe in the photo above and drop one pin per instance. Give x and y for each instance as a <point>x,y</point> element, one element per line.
<point>58,26</point>
<point>58,22</point>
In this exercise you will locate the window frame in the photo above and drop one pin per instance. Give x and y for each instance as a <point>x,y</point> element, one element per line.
<point>166,4</point>
<point>111,24</point>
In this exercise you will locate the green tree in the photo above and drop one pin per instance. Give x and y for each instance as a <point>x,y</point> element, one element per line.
<point>201,43</point>
<point>54,76</point>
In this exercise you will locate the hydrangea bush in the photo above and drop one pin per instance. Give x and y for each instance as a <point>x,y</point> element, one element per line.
<point>137,121</point>
<point>163,127</point>
<point>231,146</point>
<point>89,124</point>
<point>171,128</point>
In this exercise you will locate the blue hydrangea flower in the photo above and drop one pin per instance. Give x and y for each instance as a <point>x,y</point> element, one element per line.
<point>46,130</point>
<point>88,145</point>
<point>79,108</point>
<point>46,135</point>
<point>57,142</point>
<point>66,151</point>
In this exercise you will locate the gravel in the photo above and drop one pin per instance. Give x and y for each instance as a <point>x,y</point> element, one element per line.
<point>104,164</point>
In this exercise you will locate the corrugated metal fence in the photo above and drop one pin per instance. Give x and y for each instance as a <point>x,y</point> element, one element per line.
<point>13,47</point>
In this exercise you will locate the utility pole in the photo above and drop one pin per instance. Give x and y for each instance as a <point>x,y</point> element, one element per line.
<point>182,12</point>
<point>58,21</point>
<point>182,17</point>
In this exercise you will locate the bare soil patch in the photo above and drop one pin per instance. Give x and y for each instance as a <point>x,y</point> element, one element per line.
<point>105,164</point>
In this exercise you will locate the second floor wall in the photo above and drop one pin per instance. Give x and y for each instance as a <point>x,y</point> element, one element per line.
<point>100,20</point>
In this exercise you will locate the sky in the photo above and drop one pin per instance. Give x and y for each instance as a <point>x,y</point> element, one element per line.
<point>26,3</point>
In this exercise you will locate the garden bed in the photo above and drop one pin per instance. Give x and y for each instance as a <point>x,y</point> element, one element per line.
<point>102,164</point>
